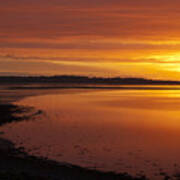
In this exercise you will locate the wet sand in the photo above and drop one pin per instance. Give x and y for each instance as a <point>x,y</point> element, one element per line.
<point>16,164</point>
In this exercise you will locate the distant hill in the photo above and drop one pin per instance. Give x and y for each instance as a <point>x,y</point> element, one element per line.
<point>82,80</point>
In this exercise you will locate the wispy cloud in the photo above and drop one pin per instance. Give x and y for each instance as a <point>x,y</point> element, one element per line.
<point>84,36</point>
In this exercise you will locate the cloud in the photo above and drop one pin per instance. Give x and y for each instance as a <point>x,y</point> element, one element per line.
<point>123,19</point>
<point>87,35</point>
<point>99,44</point>
<point>88,61</point>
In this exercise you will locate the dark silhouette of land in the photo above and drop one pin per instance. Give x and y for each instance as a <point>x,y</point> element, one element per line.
<point>83,80</point>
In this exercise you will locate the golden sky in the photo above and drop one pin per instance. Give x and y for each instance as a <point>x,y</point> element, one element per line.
<point>134,38</point>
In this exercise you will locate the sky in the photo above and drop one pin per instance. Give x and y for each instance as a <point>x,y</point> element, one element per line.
<point>127,38</point>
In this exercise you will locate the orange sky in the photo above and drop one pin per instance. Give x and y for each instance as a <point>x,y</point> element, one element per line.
<point>96,38</point>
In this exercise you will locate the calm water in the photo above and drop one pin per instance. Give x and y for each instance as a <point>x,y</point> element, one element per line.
<point>134,131</point>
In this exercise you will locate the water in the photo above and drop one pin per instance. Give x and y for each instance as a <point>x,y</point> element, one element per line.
<point>134,131</point>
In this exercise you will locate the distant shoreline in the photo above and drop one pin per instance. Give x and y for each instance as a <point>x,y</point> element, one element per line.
<point>81,80</point>
<point>94,87</point>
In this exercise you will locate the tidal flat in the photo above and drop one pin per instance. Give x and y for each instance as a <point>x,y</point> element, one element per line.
<point>90,133</point>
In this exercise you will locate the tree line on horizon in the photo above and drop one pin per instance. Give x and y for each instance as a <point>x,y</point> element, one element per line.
<point>81,80</point>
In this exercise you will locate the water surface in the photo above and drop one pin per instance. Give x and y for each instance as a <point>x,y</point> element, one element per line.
<point>134,131</point>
